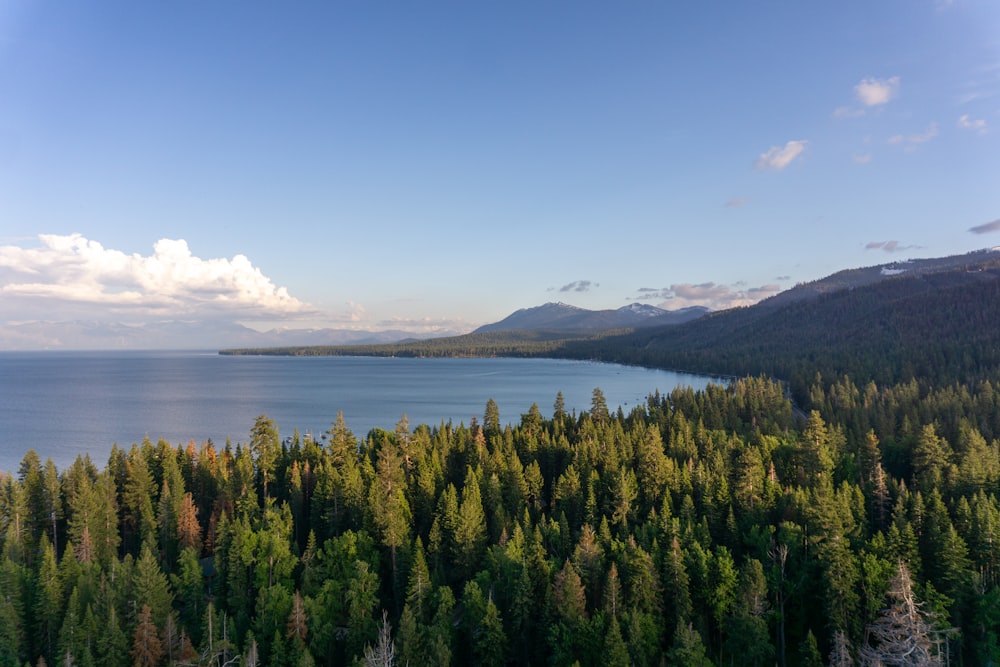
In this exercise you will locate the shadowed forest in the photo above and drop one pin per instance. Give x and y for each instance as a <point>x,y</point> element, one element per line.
<point>723,527</point>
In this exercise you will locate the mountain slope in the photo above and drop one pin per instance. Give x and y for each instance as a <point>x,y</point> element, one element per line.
<point>939,323</point>
<point>563,317</point>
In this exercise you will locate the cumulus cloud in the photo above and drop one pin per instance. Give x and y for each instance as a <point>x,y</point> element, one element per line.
<point>778,158</point>
<point>870,92</point>
<point>579,286</point>
<point>986,227</point>
<point>71,270</point>
<point>861,158</point>
<point>874,92</point>
<point>977,125</point>
<point>711,295</point>
<point>889,246</point>
<point>911,141</point>
<point>355,311</point>
<point>737,202</point>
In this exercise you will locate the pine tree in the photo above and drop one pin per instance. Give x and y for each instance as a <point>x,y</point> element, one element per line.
<point>48,605</point>
<point>809,655</point>
<point>470,531</point>
<point>418,588</point>
<point>598,406</point>
<point>12,640</point>
<point>138,495</point>
<point>150,587</point>
<point>388,504</point>
<point>490,640</point>
<point>569,595</point>
<point>615,651</point>
<point>112,643</point>
<point>266,448</point>
<point>190,588</point>
<point>688,649</point>
<point>491,419</point>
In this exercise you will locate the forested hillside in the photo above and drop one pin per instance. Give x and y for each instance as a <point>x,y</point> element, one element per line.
<point>709,528</point>
<point>935,327</point>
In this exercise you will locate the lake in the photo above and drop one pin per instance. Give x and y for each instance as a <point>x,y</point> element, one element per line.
<point>62,404</point>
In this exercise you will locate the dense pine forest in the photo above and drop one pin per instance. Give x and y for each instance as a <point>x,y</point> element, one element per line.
<point>724,527</point>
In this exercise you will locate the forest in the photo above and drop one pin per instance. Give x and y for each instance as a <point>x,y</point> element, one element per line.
<point>721,527</point>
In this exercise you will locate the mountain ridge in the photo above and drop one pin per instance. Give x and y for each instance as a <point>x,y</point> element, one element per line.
<point>558,316</point>
<point>94,335</point>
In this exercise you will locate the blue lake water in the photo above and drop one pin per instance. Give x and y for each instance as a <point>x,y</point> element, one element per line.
<point>62,404</point>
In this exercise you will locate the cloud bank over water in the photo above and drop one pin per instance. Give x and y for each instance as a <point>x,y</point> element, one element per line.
<point>71,276</point>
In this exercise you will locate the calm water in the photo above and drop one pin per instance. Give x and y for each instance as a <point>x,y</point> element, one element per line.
<point>62,404</point>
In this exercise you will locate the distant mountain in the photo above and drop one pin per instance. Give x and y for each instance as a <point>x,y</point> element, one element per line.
<point>564,317</point>
<point>83,335</point>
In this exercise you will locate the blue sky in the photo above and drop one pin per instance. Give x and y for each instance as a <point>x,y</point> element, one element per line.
<point>440,164</point>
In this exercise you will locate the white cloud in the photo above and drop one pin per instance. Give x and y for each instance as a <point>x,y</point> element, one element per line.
<point>861,158</point>
<point>911,141</point>
<point>874,92</point>
<point>778,158</point>
<point>711,295</point>
<point>737,202</point>
<point>75,271</point>
<point>978,125</point>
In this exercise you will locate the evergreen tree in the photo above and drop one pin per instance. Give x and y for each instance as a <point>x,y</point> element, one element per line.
<point>809,655</point>
<point>189,586</point>
<point>598,406</point>
<point>48,605</point>
<point>470,530</point>
<point>688,649</point>
<point>615,653</point>
<point>266,448</point>
<point>150,588</point>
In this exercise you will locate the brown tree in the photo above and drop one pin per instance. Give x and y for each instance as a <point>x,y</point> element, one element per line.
<point>147,650</point>
<point>188,528</point>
